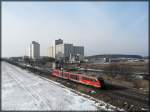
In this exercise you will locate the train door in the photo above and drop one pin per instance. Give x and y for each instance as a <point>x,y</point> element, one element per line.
<point>74,77</point>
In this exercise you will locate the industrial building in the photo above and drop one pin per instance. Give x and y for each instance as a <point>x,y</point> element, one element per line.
<point>34,50</point>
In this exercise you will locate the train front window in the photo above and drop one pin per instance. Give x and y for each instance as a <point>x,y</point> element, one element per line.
<point>85,78</point>
<point>100,79</point>
<point>94,80</point>
<point>88,79</point>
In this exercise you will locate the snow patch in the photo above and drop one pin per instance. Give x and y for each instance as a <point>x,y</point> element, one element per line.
<point>26,91</point>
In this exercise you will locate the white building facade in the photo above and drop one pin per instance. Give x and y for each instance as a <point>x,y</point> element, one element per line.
<point>34,50</point>
<point>65,50</point>
<point>51,51</point>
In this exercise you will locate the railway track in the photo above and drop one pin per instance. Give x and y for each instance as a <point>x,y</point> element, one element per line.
<point>121,97</point>
<point>129,92</point>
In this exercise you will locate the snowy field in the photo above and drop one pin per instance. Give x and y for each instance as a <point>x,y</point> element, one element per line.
<point>22,90</point>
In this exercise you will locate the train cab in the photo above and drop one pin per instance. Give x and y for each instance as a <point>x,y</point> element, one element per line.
<point>97,82</point>
<point>90,81</point>
<point>56,73</point>
<point>101,81</point>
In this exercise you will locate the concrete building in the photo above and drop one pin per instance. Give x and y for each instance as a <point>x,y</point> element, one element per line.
<point>78,50</point>
<point>59,41</point>
<point>98,60</point>
<point>65,50</point>
<point>34,50</point>
<point>59,51</point>
<point>51,51</point>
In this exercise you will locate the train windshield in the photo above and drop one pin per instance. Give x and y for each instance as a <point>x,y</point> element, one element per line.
<point>100,79</point>
<point>94,80</point>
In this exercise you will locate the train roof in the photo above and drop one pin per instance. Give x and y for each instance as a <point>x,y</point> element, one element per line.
<point>85,74</point>
<point>89,75</point>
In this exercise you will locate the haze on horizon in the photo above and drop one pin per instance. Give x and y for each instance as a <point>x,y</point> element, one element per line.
<point>101,27</point>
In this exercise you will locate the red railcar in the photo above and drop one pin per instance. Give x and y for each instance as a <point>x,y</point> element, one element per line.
<point>80,78</point>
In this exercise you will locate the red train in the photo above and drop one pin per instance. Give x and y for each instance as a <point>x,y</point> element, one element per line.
<point>97,82</point>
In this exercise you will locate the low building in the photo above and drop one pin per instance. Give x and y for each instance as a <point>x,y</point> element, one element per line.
<point>98,60</point>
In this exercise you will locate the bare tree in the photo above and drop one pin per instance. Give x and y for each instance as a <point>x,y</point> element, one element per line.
<point>117,68</point>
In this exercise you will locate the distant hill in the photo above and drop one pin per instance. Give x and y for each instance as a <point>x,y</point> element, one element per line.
<point>114,56</point>
<point>146,57</point>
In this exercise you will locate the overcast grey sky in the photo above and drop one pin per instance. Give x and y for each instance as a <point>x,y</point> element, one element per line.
<point>101,27</point>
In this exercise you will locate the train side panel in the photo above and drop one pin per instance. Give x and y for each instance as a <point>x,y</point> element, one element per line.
<point>57,73</point>
<point>98,83</point>
<point>90,81</point>
<point>66,75</point>
<point>74,77</point>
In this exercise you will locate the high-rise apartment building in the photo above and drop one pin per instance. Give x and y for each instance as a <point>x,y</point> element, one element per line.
<point>34,50</point>
<point>78,50</point>
<point>51,51</point>
<point>59,41</point>
<point>64,50</point>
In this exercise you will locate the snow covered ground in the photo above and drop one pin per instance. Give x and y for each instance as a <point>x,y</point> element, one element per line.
<point>22,90</point>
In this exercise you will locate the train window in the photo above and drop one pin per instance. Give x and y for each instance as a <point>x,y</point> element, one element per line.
<point>74,77</point>
<point>60,74</point>
<point>89,79</point>
<point>94,80</point>
<point>66,75</point>
<point>56,71</point>
<point>85,78</point>
<point>79,73</point>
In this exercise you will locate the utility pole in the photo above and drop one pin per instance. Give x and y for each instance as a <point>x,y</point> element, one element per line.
<point>62,65</point>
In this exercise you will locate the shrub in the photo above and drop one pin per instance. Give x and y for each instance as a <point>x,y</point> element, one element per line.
<point>117,68</point>
<point>141,83</point>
